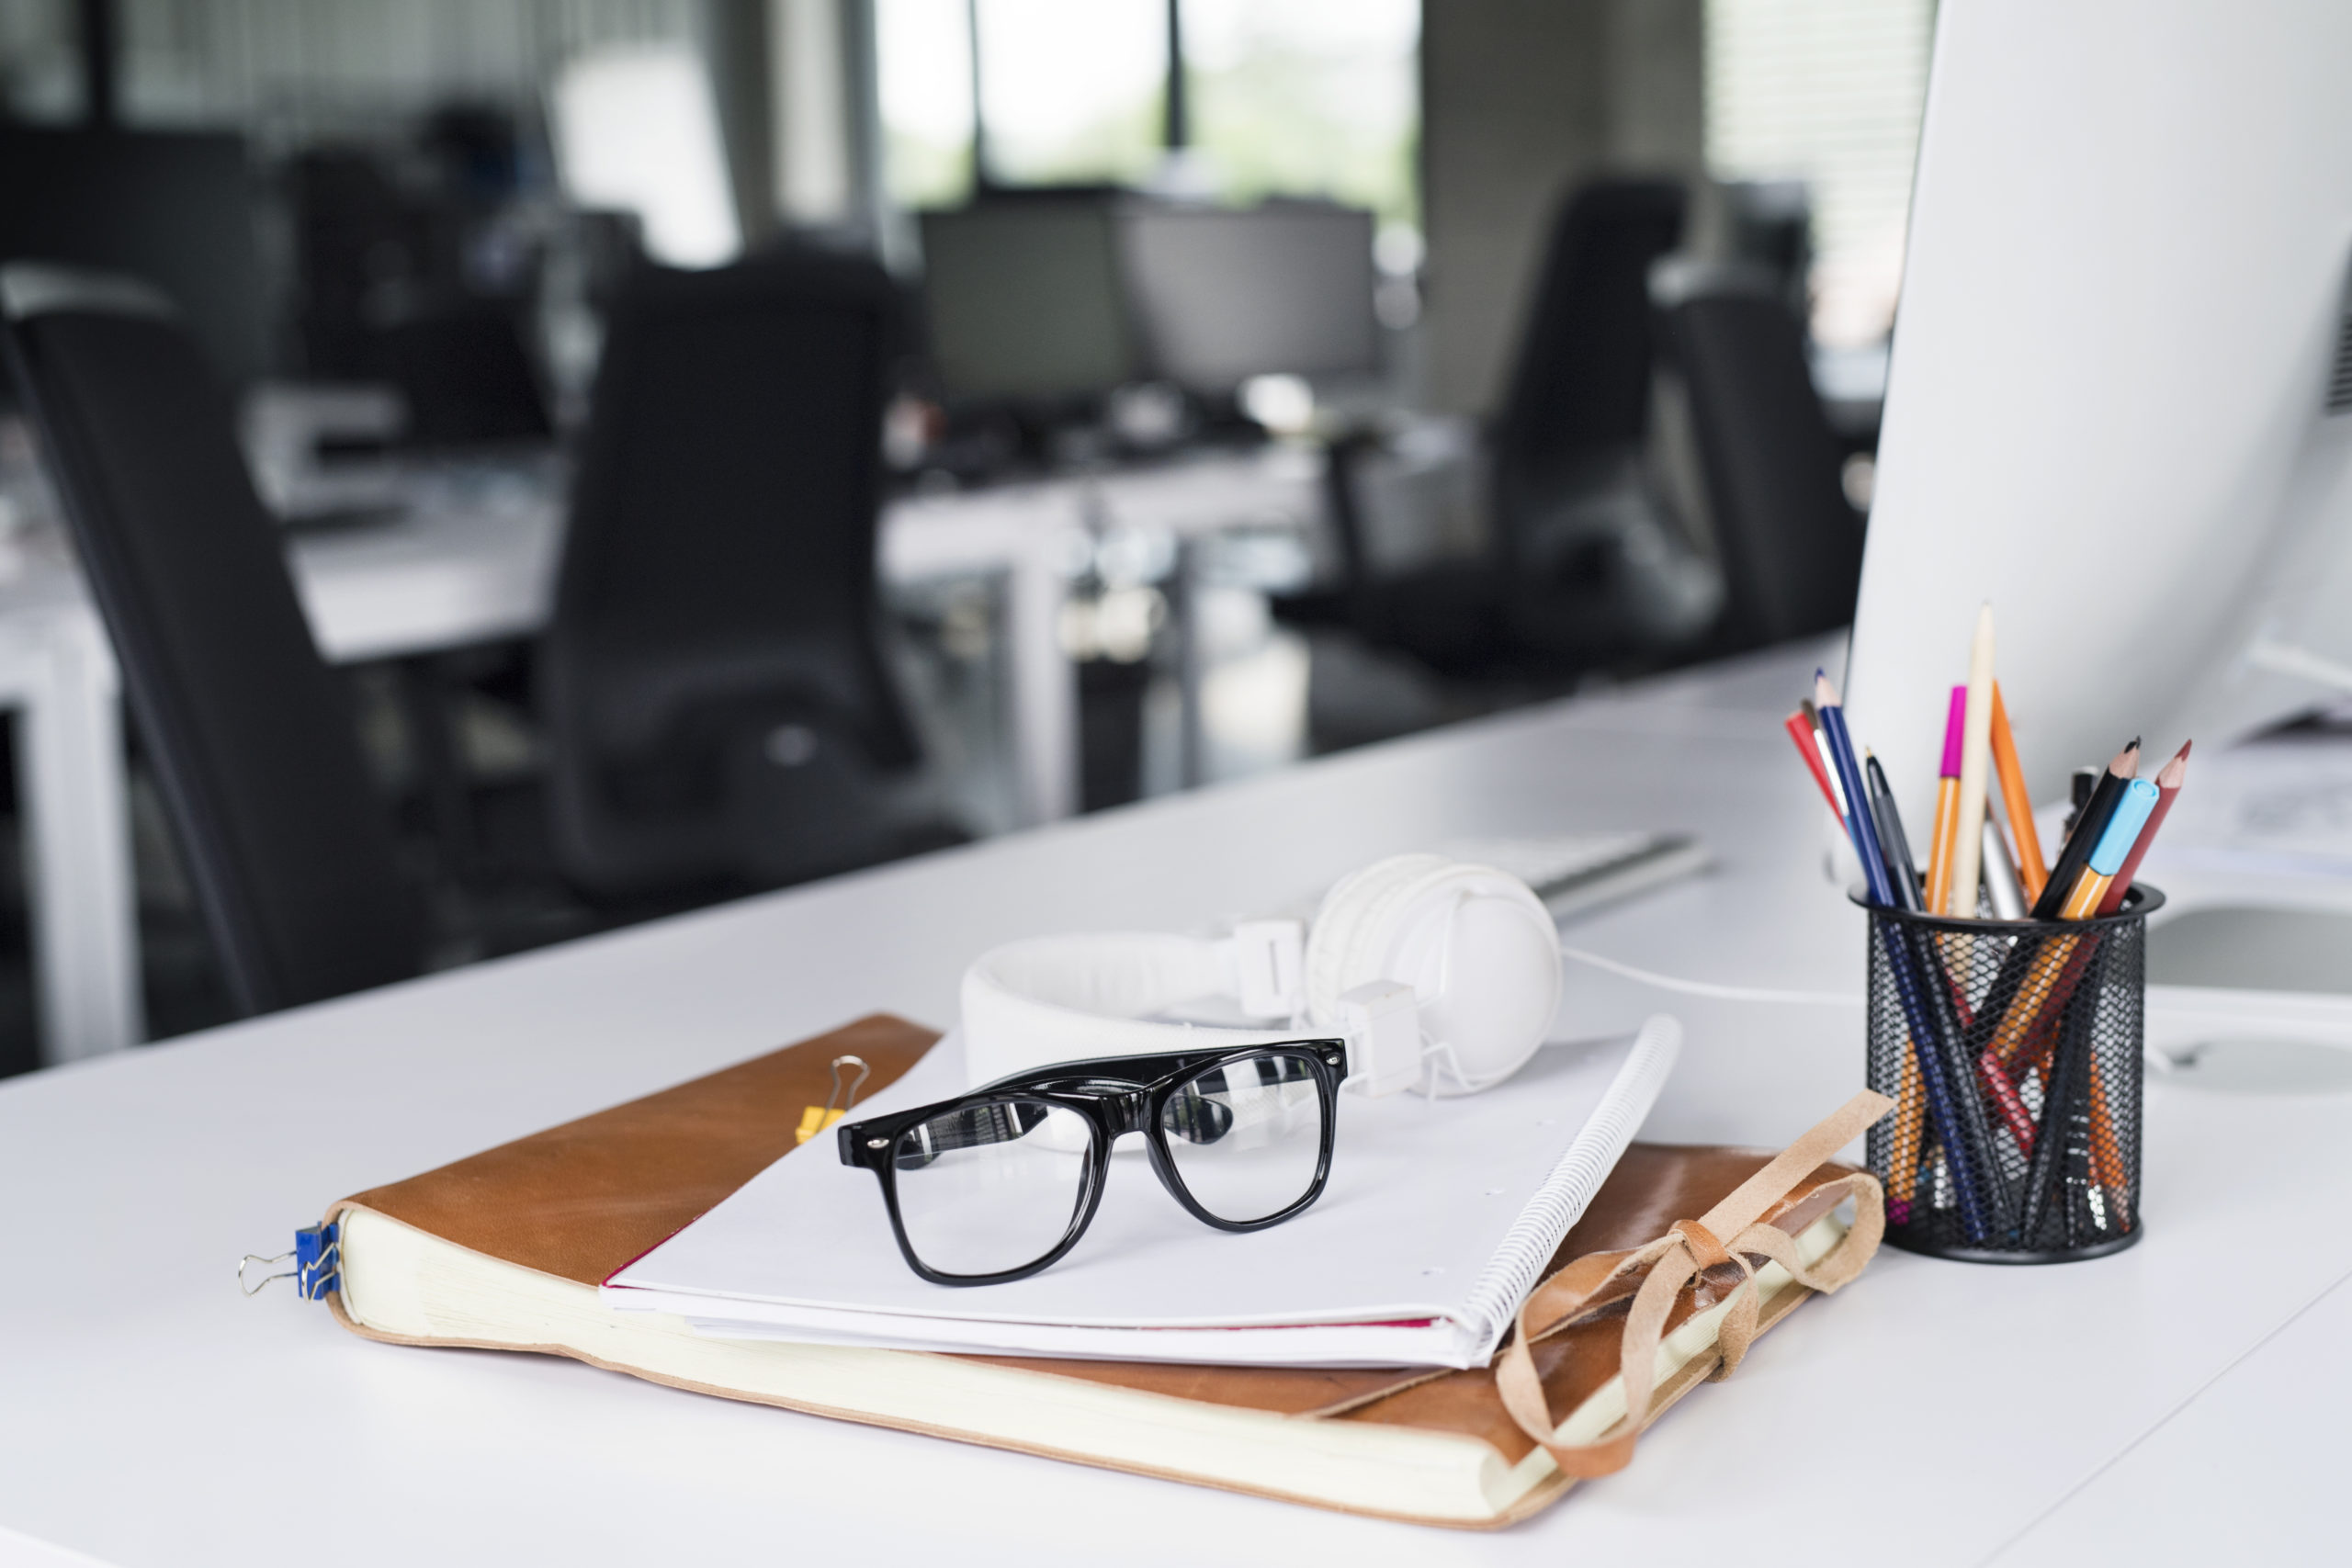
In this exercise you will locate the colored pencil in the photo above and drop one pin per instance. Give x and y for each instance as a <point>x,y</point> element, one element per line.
<point>1801,733</point>
<point>2040,984</point>
<point>1903,1170</point>
<point>2089,823</point>
<point>2169,778</point>
<point>1845,767</point>
<point>1957,1112</point>
<point>2044,983</point>
<point>2106,1155</point>
<point>2016,804</point>
<point>2095,1154</point>
<point>1910,1113</point>
<point>1821,747</point>
<point>2132,810</point>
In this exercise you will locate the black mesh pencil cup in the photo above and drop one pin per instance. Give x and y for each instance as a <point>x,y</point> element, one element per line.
<point>2012,1051</point>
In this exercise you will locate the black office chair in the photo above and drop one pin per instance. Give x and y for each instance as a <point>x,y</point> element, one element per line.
<point>1578,408</point>
<point>1789,542</point>
<point>250,736</point>
<point>713,684</point>
<point>1579,568</point>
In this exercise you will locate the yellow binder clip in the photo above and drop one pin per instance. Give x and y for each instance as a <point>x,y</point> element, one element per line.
<point>815,1119</point>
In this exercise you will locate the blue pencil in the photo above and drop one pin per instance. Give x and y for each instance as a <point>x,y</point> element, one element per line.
<point>1948,1102</point>
<point>1859,826</point>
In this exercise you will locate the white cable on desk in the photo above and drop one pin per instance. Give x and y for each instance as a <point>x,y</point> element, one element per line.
<point>1708,987</point>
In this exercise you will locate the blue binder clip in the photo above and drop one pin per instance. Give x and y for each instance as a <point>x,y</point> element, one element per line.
<point>318,1264</point>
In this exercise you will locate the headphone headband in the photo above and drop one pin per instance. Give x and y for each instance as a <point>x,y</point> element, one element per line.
<point>1410,958</point>
<point>1058,998</point>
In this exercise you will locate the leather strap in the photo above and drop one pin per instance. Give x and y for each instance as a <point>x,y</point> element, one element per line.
<point>1655,1275</point>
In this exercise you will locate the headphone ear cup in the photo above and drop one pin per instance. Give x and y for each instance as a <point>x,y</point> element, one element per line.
<point>1341,950</point>
<point>1475,944</point>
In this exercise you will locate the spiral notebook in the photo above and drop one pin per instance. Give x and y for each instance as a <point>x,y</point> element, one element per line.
<point>1437,1218</point>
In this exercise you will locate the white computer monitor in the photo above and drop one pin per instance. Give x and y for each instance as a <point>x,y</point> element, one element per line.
<point>2121,399</point>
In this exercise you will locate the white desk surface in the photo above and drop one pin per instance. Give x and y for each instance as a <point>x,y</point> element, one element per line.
<point>1935,1413</point>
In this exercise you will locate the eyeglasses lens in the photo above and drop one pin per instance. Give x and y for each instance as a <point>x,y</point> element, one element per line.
<point>990,1186</point>
<point>1246,1137</point>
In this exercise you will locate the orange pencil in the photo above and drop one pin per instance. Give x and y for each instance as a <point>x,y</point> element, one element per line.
<point>2042,985</point>
<point>2017,802</point>
<point>2083,902</point>
<point>2107,1155</point>
<point>1909,1115</point>
<point>1939,852</point>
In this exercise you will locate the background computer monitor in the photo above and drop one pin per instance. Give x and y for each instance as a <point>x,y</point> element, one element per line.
<point>1025,299</point>
<point>173,208</point>
<point>2120,401</point>
<point>1221,295</point>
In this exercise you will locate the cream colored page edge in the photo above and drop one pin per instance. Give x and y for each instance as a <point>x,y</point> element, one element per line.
<point>400,1282</point>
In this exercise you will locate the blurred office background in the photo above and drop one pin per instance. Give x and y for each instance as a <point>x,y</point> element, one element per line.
<point>1240,380</point>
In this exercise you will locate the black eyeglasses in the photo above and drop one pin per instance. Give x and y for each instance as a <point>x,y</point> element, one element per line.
<point>1001,1182</point>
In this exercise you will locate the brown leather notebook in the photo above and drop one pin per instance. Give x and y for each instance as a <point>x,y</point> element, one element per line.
<point>506,1250</point>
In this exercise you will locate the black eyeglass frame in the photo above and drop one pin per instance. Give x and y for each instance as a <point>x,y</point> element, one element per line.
<point>1115,1096</point>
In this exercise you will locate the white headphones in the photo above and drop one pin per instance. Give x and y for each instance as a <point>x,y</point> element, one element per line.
<point>1438,974</point>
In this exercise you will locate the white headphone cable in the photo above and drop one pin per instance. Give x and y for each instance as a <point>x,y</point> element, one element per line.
<point>1708,987</point>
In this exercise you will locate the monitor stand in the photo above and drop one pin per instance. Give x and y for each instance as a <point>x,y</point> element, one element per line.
<point>2253,949</point>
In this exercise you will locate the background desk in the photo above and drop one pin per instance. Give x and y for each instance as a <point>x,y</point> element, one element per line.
<point>1934,1414</point>
<point>474,560</point>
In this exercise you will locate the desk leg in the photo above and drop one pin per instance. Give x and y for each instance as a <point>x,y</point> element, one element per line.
<point>77,831</point>
<point>1045,688</point>
<point>1192,664</point>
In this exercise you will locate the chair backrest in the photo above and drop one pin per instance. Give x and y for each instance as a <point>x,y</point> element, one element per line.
<point>466,376</point>
<point>1790,542</point>
<point>720,564</point>
<point>1581,388</point>
<point>254,743</point>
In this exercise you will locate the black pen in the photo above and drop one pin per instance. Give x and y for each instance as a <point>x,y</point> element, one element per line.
<point>1901,869</point>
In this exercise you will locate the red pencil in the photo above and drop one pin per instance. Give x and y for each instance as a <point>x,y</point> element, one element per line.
<point>2168,783</point>
<point>1801,731</point>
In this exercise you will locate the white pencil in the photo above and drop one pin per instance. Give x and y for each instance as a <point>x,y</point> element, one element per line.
<point>1976,772</point>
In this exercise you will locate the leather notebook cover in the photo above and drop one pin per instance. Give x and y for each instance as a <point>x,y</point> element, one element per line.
<point>581,1201</point>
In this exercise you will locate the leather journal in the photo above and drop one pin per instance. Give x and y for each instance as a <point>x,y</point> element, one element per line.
<point>1683,1257</point>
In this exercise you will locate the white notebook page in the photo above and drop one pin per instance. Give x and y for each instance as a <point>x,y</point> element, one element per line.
<point>1422,1197</point>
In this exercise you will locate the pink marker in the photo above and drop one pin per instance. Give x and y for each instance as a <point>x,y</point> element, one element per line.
<point>1939,849</point>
